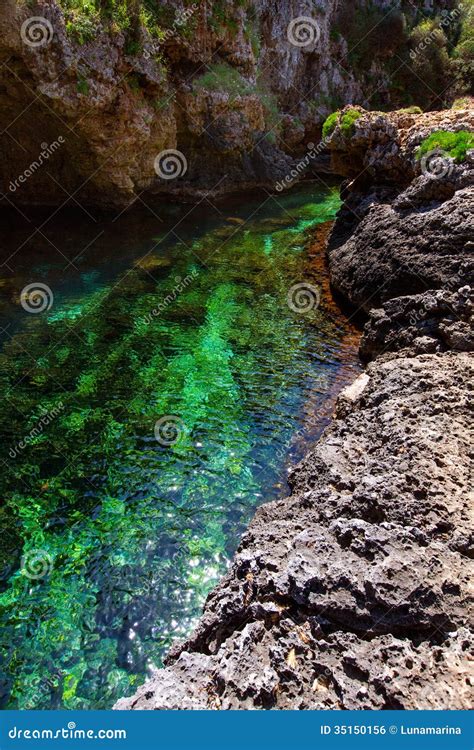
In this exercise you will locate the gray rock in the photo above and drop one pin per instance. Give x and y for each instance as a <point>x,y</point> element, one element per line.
<point>391,252</point>
<point>353,592</point>
<point>437,320</point>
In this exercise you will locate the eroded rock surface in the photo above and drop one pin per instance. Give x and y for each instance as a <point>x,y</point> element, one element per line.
<point>435,321</point>
<point>227,88</point>
<point>401,230</point>
<point>353,592</point>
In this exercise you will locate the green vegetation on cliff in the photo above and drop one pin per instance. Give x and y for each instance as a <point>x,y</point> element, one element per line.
<point>346,122</point>
<point>223,77</point>
<point>83,17</point>
<point>330,124</point>
<point>463,53</point>
<point>455,145</point>
<point>426,54</point>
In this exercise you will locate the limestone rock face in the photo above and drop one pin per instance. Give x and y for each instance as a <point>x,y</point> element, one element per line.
<point>381,147</point>
<point>118,108</point>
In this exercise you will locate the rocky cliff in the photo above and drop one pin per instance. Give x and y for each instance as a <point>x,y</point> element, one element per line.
<point>238,88</point>
<point>353,592</point>
<point>406,225</point>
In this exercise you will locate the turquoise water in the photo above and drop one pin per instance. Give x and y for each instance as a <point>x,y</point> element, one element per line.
<point>152,405</point>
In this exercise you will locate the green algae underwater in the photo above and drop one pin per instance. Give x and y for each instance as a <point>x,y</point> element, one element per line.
<point>110,539</point>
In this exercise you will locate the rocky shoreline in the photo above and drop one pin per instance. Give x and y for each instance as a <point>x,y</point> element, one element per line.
<point>353,592</point>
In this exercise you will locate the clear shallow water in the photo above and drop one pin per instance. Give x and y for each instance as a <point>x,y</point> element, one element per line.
<point>111,539</point>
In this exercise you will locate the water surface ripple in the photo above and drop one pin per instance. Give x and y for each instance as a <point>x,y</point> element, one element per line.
<point>177,383</point>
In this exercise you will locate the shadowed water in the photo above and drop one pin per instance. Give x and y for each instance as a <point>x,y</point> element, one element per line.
<point>145,415</point>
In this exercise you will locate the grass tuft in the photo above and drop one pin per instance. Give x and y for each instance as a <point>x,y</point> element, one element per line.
<point>456,145</point>
<point>330,124</point>
<point>346,122</point>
